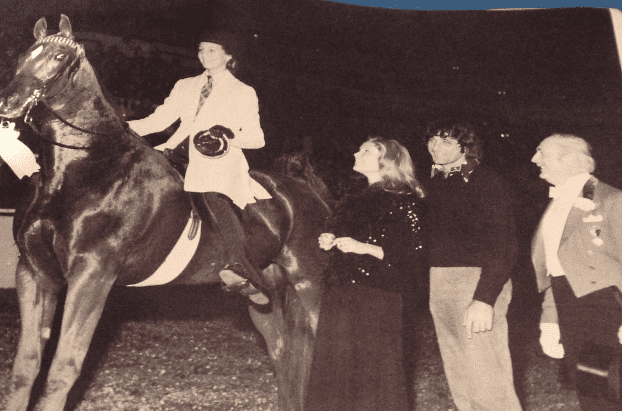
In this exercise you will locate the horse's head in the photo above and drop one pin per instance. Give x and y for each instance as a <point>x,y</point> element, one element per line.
<point>44,70</point>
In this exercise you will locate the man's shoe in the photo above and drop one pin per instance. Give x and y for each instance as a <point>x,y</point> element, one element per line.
<point>232,281</point>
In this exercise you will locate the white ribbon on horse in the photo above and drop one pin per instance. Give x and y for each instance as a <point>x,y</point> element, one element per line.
<point>15,153</point>
<point>177,259</point>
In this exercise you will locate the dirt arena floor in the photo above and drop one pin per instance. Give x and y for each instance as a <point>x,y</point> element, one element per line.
<point>195,348</point>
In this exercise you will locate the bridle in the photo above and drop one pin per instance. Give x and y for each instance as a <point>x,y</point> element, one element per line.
<point>38,95</point>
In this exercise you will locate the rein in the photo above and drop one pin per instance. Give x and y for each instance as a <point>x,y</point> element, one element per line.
<point>36,98</point>
<point>55,114</point>
<point>28,120</point>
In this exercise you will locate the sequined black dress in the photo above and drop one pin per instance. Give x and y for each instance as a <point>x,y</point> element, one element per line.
<point>358,362</point>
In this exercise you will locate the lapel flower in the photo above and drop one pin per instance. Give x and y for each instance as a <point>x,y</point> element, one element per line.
<point>595,231</point>
<point>591,218</point>
<point>584,204</point>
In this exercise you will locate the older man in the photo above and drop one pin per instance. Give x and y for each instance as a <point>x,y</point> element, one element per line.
<point>577,256</point>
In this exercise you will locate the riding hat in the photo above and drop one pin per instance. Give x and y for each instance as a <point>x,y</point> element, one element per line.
<point>229,41</point>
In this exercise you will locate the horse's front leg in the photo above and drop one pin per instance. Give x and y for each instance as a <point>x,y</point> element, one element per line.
<point>89,284</point>
<point>37,307</point>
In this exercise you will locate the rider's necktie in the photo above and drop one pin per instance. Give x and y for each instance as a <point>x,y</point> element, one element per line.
<point>207,88</point>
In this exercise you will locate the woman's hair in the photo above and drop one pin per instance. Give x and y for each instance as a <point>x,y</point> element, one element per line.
<point>397,171</point>
<point>233,64</point>
<point>462,133</point>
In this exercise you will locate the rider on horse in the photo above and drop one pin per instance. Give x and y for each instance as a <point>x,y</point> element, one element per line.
<point>105,210</point>
<point>219,117</point>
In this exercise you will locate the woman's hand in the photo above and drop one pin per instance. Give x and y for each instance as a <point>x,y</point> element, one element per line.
<point>326,241</point>
<point>350,245</point>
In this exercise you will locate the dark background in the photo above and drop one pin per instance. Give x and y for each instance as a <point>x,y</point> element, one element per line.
<point>333,73</point>
<point>329,74</point>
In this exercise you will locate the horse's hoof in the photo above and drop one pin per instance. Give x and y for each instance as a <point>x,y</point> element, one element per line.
<point>232,282</point>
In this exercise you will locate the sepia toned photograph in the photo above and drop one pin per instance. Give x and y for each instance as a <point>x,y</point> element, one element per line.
<point>309,205</point>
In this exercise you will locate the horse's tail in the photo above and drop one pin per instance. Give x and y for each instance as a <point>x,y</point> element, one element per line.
<point>298,166</point>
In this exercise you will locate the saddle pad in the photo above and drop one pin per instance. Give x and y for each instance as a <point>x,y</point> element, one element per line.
<point>177,259</point>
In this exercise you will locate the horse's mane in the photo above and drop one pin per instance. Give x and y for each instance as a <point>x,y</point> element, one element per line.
<point>104,90</point>
<point>298,166</point>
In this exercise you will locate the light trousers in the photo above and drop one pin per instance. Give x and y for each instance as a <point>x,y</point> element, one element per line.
<point>479,369</point>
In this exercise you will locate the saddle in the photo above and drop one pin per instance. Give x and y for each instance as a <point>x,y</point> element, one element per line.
<point>202,211</point>
<point>179,157</point>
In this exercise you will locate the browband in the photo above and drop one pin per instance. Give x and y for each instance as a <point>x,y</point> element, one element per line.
<point>62,40</point>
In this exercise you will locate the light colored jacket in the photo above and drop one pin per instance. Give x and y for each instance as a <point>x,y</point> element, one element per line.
<point>231,104</point>
<point>590,249</point>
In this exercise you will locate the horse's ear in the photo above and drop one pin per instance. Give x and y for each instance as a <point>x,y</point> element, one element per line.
<point>41,28</point>
<point>65,26</point>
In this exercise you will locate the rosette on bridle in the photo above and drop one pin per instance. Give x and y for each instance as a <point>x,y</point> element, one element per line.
<point>213,143</point>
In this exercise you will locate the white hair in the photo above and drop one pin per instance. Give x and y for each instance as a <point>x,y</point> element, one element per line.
<point>581,149</point>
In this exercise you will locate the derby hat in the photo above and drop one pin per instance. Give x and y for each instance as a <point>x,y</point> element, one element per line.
<point>230,42</point>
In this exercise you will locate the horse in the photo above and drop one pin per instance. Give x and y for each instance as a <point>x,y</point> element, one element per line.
<point>106,209</point>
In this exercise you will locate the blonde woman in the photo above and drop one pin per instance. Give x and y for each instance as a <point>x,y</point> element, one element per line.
<point>376,245</point>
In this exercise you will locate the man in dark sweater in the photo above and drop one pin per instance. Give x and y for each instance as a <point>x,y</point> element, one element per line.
<point>473,247</point>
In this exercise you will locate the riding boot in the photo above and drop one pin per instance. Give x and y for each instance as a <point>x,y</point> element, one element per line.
<point>238,274</point>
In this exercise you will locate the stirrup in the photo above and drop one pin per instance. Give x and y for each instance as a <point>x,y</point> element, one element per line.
<point>237,287</point>
<point>233,282</point>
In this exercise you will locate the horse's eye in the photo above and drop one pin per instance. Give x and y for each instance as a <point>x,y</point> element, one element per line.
<point>60,57</point>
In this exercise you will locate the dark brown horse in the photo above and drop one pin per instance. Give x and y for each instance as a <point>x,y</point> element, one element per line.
<point>106,209</point>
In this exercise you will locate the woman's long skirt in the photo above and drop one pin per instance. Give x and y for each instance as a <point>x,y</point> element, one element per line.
<point>358,362</point>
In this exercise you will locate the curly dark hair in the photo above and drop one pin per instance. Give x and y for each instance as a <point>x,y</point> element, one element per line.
<point>464,134</point>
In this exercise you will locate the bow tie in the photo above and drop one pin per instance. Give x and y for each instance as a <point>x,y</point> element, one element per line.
<point>557,192</point>
<point>439,170</point>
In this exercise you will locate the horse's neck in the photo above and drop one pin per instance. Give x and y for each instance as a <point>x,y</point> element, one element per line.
<point>85,106</point>
<point>92,129</point>
<point>101,106</point>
